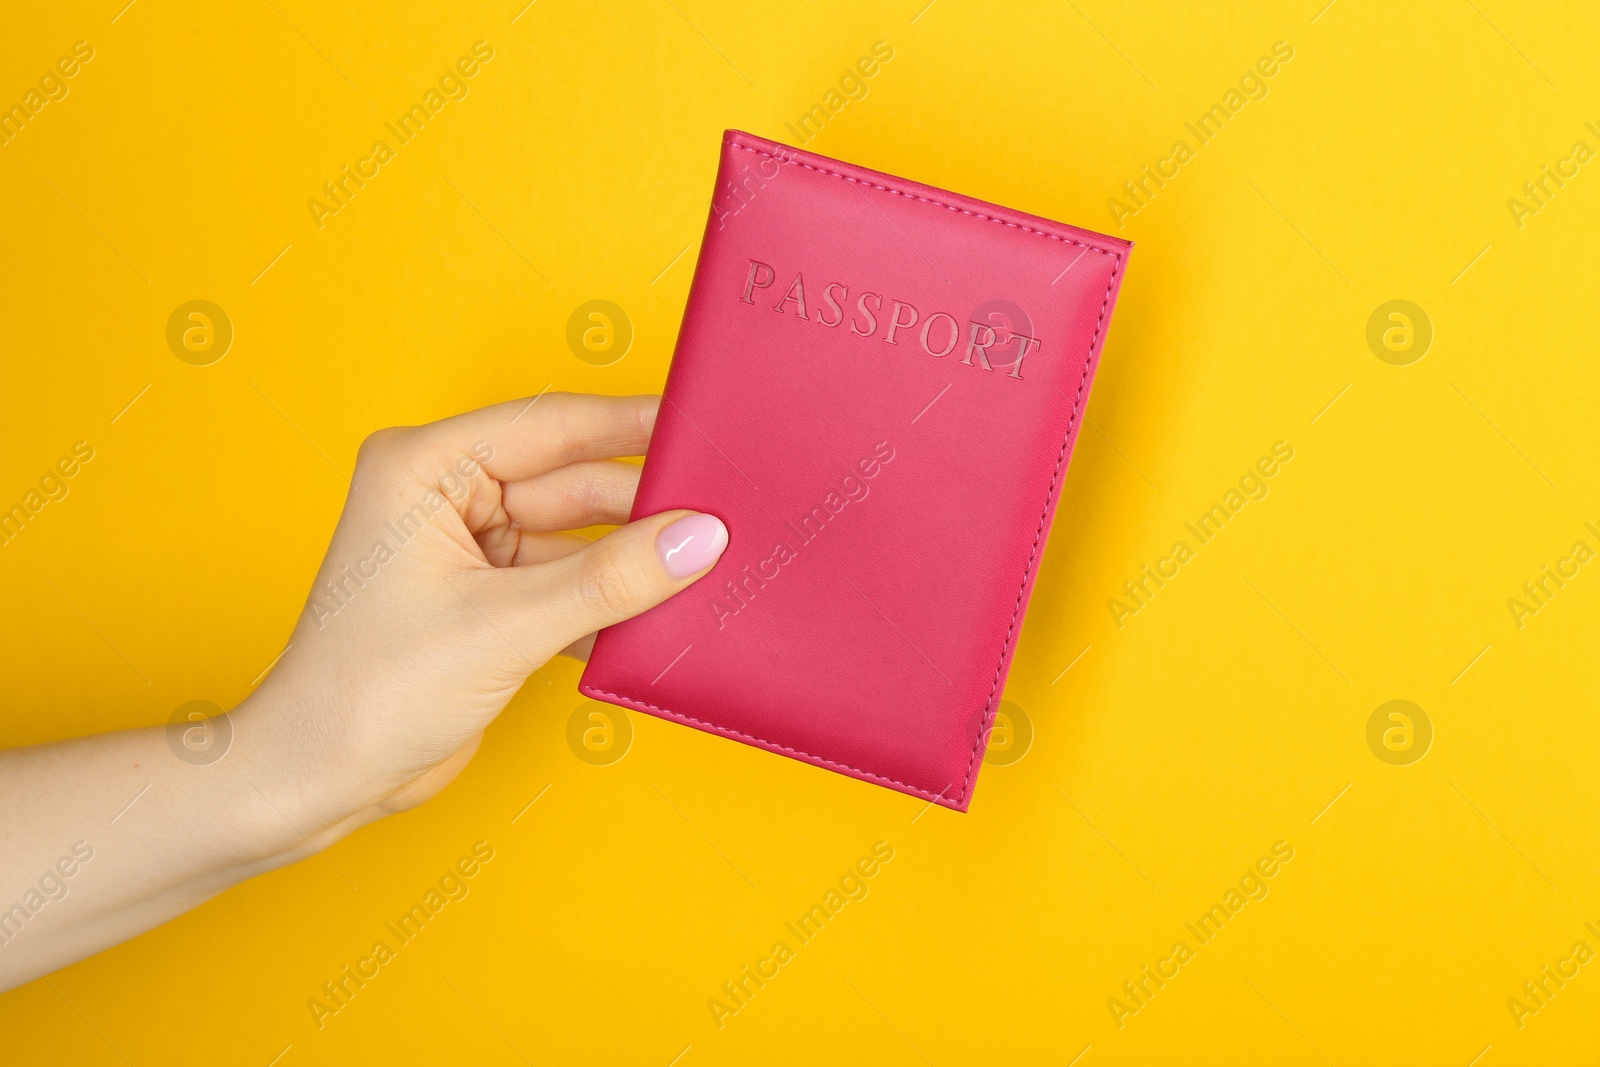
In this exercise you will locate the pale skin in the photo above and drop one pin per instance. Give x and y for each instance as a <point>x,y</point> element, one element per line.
<point>376,706</point>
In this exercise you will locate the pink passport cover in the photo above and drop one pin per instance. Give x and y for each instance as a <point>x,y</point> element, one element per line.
<point>877,386</point>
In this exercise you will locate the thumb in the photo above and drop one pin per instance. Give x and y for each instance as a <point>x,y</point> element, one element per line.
<point>630,570</point>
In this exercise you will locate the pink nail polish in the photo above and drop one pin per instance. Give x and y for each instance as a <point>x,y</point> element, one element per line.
<point>691,544</point>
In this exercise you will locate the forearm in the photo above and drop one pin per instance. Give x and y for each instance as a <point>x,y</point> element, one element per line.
<point>104,837</point>
<point>451,577</point>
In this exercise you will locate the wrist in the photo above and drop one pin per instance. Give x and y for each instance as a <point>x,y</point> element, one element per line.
<point>290,797</point>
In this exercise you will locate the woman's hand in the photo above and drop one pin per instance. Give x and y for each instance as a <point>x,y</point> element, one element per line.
<point>449,580</point>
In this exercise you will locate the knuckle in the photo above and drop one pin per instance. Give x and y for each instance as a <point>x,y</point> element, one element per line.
<point>380,445</point>
<point>594,499</point>
<point>569,442</point>
<point>611,585</point>
<point>573,502</point>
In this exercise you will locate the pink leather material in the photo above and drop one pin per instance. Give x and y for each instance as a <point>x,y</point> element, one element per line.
<point>887,505</point>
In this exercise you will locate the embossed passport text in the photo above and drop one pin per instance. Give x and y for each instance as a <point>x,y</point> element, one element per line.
<point>877,387</point>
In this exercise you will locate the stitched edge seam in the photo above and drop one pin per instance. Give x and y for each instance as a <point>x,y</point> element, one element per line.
<point>987,714</point>
<point>1038,536</point>
<point>925,200</point>
<point>728,731</point>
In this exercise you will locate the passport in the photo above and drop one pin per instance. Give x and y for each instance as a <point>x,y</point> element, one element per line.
<point>876,386</point>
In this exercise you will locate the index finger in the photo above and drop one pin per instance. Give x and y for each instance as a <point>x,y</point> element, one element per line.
<point>524,438</point>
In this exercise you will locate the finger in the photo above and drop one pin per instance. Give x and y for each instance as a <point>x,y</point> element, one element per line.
<point>522,439</point>
<point>581,649</point>
<point>510,547</point>
<point>628,571</point>
<point>590,493</point>
<point>535,548</point>
<point>467,459</point>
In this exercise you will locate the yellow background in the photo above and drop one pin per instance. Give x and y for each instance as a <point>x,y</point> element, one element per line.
<point>1223,717</point>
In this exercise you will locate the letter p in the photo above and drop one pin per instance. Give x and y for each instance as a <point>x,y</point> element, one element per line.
<point>756,279</point>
